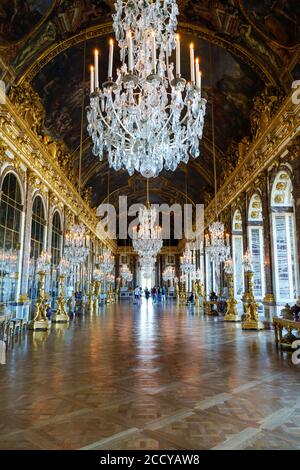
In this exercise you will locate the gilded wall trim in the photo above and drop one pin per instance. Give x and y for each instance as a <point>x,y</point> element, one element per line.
<point>269,147</point>
<point>20,144</point>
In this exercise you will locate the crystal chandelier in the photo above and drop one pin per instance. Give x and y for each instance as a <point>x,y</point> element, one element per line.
<point>187,262</point>
<point>196,275</point>
<point>248,262</point>
<point>107,262</point>
<point>216,244</point>
<point>169,274</point>
<point>44,262</point>
<point>228,266</point>
<point>98,275</point>
<point>125,273</point>
<point>76,244</point>
<point>147,265</point>
<point>63,267</point>
<point>146,116</point>
<point>147,238</point>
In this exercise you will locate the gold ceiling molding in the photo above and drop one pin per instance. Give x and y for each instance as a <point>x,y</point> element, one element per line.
<point>270,146</point>
<point>18,138</point>
<point>184,27</point>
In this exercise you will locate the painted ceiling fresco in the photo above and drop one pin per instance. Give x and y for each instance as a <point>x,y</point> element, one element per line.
<point>20,17</point>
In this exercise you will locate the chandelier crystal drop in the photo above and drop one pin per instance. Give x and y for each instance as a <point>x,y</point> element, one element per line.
<point>125,273</point>
<point>146,116</point>
<point>107,262</point>
<point>216,244</point>
<point>147,237</point>
<point>76,244</point>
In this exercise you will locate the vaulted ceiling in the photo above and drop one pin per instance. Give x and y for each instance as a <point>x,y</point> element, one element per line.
<point>251,43</point>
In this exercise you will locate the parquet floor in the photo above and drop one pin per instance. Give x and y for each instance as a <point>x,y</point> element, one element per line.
<point>149,377</point>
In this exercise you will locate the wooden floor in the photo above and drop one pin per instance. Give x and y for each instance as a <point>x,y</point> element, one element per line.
<point>138,377</point>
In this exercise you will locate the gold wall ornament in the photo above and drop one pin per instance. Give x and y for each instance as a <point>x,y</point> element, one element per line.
<point>265,151</point>
<point>29,106</point>
<point>35,155</point>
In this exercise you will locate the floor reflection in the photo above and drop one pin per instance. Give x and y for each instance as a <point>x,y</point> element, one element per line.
<point>160,376</point>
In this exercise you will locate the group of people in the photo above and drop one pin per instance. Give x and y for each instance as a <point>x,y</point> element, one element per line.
<point>158,294</point>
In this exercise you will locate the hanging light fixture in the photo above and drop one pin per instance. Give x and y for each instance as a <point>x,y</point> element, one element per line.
<point>125,273</point>
<point>187,262</point>
<point>76,244</point>
<point>107,262</point>
<point>215,240</point>
<point>147,237</point>
<point>146,116</point>
<point>169,274</point>
<point>248,262</point>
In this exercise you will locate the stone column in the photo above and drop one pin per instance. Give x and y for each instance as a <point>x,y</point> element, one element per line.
<point>266,213</point>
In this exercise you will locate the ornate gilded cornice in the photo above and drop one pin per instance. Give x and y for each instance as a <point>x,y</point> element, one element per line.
<point>270,145</point>
<point>23,144</point>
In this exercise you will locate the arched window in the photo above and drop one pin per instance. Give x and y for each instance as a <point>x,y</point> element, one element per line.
<point>255,231</point>
<point>237,254</point>
<point>37,228</point>
<point>10,233</point>
<point>56,239</point>
<point>284,239</point>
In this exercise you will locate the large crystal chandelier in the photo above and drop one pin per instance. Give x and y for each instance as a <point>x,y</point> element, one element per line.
<point>146,116</point>
<point>168,274</point>
<point>76,244</point>
<point>107,262</point>
<point>125,273</point>
<point>187,262</point>
<point>147,237</point>
<point>216,244</point>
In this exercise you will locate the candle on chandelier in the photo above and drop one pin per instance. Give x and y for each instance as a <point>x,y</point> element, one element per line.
<point>198,76</point>
<point>130,52</point>
<point>96,66</point>
<point>92,79</point>
<point>110,60</point>
<point>227,238</point>
<point>153,52</point>
<point>178,55</point>
<point>192,61</point>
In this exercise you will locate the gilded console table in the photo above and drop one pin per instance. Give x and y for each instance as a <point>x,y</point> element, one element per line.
<point>281,324</point>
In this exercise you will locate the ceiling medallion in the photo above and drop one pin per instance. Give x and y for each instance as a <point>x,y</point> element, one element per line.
<point>146,115</point>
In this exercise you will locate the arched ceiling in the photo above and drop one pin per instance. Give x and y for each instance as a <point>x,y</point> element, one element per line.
<point>252,43</point>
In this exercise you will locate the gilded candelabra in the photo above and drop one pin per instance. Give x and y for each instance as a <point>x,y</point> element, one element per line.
<point>97,287</point>
<point>231,313</point>
<point>61,315</point>
<point>90,301</point>
<point>250,318</point>
<point>40,320</point>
